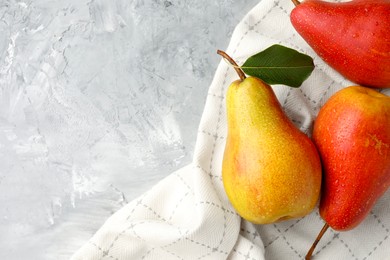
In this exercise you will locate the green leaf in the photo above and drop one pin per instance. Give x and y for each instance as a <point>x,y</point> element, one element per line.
<point>279,65</point>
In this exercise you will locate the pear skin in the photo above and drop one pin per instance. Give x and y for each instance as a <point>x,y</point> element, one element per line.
<point>352,37</point>
<point>352,133</point>
<point>271,171</point>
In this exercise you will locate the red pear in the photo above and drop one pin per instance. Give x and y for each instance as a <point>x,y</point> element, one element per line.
<point>352,134</point>
<point>352,37</point>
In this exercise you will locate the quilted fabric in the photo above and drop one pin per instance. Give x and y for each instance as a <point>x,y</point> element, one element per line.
<point>187,215</point>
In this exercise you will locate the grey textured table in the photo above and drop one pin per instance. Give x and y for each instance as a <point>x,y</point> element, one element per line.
<point>99,100</point>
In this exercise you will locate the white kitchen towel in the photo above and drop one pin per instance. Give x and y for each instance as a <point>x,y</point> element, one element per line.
<point>187,215</point>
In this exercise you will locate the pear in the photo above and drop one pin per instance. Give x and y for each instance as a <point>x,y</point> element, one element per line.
<point>352,37</point>
<point>352,133</point>
<point>271,171</point>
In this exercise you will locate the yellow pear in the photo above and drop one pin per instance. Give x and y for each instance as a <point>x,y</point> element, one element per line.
<point>271,170</point>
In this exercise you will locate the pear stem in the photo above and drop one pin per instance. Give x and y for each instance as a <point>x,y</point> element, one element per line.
<point>296,2</point>
<point>239,71</point>
<point>311,250</point>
